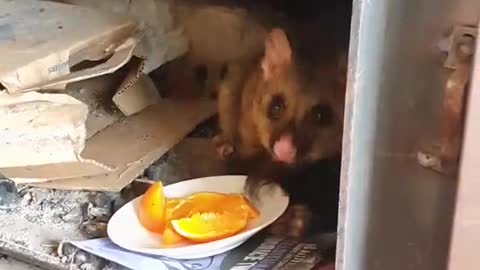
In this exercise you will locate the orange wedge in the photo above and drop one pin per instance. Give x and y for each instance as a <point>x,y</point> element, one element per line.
<point>198,203</point>
<point>205,227</point>
<point>171,204</point>
<point>151,212</point>
<point>238,200</point>
<point>215,203</point>
<point>170,236</point>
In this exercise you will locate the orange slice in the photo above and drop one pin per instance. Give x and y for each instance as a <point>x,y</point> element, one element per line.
<point>171,204</point>
<point>151,212</point>
<point>215,203</point>
<point>198,203</point>
<point>170,236</point>
<point>205,227</point>
<point>239,201</point>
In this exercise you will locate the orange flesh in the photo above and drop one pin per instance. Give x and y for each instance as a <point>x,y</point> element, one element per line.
<point>170,236</point>
<point>206,227</point>
<point>202,217</point>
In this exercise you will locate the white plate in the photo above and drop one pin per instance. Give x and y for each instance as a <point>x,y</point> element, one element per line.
<point>125,230</point>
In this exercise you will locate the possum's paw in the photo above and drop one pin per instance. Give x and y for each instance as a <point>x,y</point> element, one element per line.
<point>295,222</point>
<point>223,147</point>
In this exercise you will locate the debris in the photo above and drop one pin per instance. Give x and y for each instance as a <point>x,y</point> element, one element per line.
<point>101,199</point>
<point>94,229</point>
<point>74,216</point>
<point>26,199</point>
<point>64,260</point>
<point>65,249</point>
<point>81,256</point>
<point>98,213</point>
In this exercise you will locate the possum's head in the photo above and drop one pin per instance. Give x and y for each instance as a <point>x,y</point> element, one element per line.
<point>298,111</point>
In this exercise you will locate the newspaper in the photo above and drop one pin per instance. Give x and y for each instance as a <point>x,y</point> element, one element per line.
<point>261,252</point>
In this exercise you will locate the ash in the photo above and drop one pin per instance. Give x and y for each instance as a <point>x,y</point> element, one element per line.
<point>39,217</point>
<point>44,218</point>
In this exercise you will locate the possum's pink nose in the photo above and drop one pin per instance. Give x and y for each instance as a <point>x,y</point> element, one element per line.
<point>284,149</point>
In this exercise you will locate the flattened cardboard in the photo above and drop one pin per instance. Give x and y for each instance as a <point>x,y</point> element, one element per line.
<point>120,57</point>
<point>163,40</point>
<point>41,133</point>
<point>42,51</point>
<point>137,91</point>
<point>38,129</point>
<point>131,145</point>
<point>49,172</point>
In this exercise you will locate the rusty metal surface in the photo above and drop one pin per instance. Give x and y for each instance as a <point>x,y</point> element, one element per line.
<point>466,228</point>
<point>394,214</point>
<point>443,152</point>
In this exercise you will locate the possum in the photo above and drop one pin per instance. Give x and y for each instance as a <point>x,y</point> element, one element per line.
<point>281,118</point>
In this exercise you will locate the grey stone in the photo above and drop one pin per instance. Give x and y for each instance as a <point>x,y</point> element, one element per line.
<point>27,199</point>
<point>102,200</point>
<point>98,213</point>
<point>74,216</point>
<point>8,194</point>
<point>93,229</point>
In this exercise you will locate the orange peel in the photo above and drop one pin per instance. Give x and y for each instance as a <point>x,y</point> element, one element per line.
<point>151,213</point>
<point>206,227</point>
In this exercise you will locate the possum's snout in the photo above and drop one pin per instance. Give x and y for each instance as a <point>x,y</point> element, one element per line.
<point>284,149</point>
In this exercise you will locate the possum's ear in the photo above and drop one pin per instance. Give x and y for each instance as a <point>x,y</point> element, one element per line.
<point>278,54</point>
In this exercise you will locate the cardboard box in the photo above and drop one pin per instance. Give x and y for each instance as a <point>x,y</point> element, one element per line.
<point>60,43</point>
<point>80,150</point>
<point>116,154</point>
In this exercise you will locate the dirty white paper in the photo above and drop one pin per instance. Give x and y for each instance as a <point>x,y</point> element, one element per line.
<point>106,249</point>
<point>263,251</point>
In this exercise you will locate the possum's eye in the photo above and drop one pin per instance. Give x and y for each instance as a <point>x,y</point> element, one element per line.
<point>276,107</point>
<point>322,115</point>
